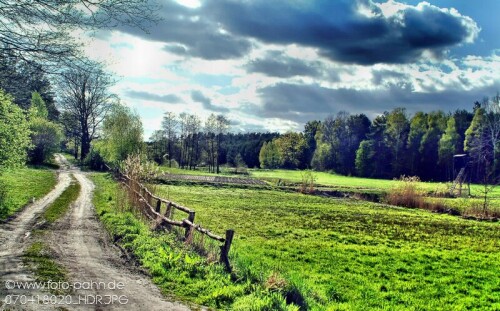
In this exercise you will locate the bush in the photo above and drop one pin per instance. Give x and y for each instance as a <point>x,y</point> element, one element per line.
<point>406,193</point>
<point>94,161</point>
<point>3,199</point>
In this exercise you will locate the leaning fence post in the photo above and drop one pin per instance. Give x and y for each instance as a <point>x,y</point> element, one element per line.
<point>224,250</point>
<point>189,228</point>
<point>158,206</point>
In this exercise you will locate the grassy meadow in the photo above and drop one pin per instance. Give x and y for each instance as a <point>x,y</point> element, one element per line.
<point>315,252</point>
<point>353,255</point>
<point>24,184</point>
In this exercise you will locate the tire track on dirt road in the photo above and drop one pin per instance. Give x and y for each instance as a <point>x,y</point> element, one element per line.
<point>14,236</point>
<point>83,247</point>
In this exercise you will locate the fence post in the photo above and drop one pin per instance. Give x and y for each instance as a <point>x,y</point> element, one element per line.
<point>224,250</point>
<point>158,206</point>
<point>189,228</point>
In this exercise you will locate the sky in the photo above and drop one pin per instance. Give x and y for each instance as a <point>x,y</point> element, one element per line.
<point>274,65</point>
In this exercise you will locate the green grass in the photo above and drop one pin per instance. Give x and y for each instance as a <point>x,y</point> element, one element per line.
<point>40,261</point>
<point>61,205</point>
<point>175,268</point>
<point>351,255</point>
<point>24,184</point>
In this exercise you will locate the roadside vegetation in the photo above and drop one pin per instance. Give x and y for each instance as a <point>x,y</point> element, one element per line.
<point>20,186</point>
<point>177,268</point>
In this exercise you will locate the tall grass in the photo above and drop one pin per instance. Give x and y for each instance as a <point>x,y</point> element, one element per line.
<point>406,193</point>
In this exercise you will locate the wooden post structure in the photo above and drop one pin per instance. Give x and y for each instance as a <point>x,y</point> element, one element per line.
<point>168,214</point>
<point>158,206</point>
<point>224,250</point>
<point>189,228</point>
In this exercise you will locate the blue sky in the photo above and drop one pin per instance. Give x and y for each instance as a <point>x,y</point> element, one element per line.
<point>274,65</point>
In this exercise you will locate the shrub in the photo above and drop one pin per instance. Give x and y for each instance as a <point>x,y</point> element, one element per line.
<point>3,199</point>
<point>94,161</point>
<point>406,193</point>
<point>307,182</point>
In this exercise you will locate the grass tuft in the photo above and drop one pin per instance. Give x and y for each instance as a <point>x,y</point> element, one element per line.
<point>61,205</point>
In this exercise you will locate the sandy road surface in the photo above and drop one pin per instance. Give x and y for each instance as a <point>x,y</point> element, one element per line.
<point>83,248</point>
<point>14,237</point>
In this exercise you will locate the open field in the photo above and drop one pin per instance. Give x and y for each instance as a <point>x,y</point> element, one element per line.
<point>23,185</point>
<point>352,255</point>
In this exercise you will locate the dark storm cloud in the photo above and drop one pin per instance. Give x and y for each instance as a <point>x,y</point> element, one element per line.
<point>198,97</point>
<point>340,32</point>
<point>301,103</point>
<point>188,32</point>
<point>275,64</point>
<point>170,98</point>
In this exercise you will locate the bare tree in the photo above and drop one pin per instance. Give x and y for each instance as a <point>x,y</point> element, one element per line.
<point>210,138</point>
<point>41,30</point>
<point>169,125</point>
<point>491,128</point>
<point>221,128</point>
<point>84,94</point>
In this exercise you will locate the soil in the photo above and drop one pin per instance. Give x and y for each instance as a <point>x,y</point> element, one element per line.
<point>82,246</point>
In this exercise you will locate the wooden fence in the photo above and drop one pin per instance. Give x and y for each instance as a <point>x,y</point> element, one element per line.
<point>151,208</point>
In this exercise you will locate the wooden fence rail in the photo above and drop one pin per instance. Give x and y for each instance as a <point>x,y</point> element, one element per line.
<point>152,210</point>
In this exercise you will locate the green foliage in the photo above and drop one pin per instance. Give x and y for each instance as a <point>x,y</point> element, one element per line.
<point>473,134</point>
<point>46,137</point>
<point>121,135</point>
<point>20,186</point>
<point>14,133</point>
<point>61,205</point>
<point>322,156</point>
<point>270,156</point>
<point>38,106</point>
<point>94,160</point>
<point>448,146</point>
<point>396,134</point>
<point>291,148</point>
<point>364,158</point>
<point>3,198</point>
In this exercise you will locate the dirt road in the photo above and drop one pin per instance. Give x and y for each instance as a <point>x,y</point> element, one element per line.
<point>101,279</point>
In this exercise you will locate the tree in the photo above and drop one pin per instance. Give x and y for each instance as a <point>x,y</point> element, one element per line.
<point>221,128</point>
<point>169,127</point>
<point>122,135</point>
<point>364,158</point>
<point>474,143</point>
<point>448,146</point>
<point>383,156</point>
<point>269,156</point>
<point>21,80</point>
<point>86,97</point>
<point>71,130</point>
<point>157,146</point>
<point>418,128</point>
<point>396,134</point>
<point>310,130</point>
<point>14,133</point>
<point>436,124</point>
<point>46,135</point>
<point>463,118</point>
<point>39,105</point>
<point>292,147</point>
<point>41,30</point>
<point>492,131</point>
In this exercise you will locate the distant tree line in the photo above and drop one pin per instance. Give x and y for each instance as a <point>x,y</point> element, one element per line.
<point>188,142</point>
<point>394,144</point>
